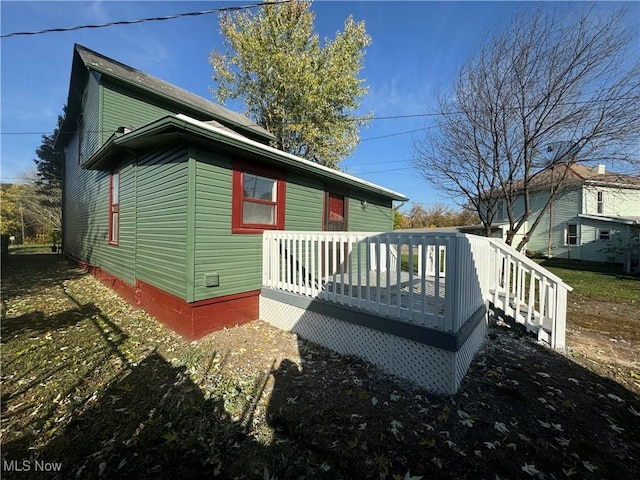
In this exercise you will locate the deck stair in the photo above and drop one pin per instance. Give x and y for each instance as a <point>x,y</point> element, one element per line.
<point>401,299</point>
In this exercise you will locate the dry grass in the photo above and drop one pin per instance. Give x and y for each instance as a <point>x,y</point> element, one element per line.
<point>107,392</point>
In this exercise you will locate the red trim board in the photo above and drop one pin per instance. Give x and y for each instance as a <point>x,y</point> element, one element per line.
<point>191,320</point>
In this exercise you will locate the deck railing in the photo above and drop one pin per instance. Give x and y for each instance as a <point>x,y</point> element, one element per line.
<point>428,279</point>
<point>528,293</point>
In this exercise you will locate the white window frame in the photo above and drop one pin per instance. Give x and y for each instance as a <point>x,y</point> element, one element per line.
<point>566,234</point>
<point>601,230</point>
<point>600,202</point>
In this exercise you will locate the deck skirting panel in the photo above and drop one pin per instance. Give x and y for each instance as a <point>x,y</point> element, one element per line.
<point>425,363</point>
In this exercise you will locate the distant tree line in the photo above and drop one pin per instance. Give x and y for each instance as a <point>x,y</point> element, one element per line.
<point>31,210</point>
<point>432,216</point>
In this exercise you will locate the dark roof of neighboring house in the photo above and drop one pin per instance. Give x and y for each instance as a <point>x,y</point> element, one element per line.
<point>85,59</point>
<point>578,174</point>
<point>207,134</point>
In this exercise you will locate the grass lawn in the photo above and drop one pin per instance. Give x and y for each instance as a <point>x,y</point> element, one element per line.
<point>597,281</point>
<point>29,248</point>
<point>96,388</point>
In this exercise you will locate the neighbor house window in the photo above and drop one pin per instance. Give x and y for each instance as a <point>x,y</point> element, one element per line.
<point>604,234</point>
<point>600,201</point>
<point>258,199</point>
<point>114,207</point>
<point>500,210</point>
<point>571,234</point>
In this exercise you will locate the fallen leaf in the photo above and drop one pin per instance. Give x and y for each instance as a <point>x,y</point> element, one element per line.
<point>530,469</point>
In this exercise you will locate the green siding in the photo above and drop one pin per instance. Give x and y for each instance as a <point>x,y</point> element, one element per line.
<point>303,203</point>
<point>565,208</point>
<point>86,217</point>
<point>235,258</point>
<point>597,250</point>
<point>122,109</point>
<point>175,207</point>
<point>91,138</point>
<point>85,201</point>
<point>161,227</point>
<point>377,216</point>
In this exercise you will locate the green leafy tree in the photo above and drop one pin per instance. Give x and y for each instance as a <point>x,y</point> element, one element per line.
<point>399,220</point>
<point>301,91</point>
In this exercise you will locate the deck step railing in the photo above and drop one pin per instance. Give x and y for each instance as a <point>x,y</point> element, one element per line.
<point>528,293</point>
<point>428,279</point>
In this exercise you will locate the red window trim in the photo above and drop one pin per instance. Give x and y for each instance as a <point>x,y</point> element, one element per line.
<point>241,167</point>
<point>114,208</point>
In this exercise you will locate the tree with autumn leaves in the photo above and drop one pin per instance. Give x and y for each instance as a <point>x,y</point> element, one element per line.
<point>301,91</point>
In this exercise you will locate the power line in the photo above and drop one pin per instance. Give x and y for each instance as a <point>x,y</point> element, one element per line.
<point>142,20</point>
<point>384,171</point>
<point>388,117</point>
<point>398,133</point>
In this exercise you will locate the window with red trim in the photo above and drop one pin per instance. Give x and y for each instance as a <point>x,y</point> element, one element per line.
<point>258,199</point>
<point>114,208</point>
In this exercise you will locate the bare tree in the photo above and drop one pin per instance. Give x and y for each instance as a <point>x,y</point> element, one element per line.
<point>550,79</point>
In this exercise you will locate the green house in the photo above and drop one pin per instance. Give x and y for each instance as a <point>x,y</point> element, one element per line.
<point>166,196</point>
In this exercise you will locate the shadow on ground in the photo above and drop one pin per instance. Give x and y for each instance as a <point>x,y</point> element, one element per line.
<point>75,394</point>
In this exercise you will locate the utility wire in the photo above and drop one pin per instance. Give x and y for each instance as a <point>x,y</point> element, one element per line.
<point>388,117</point>
<point>143,20</point>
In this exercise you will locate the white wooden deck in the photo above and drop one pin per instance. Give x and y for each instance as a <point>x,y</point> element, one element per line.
<point>441,291</point>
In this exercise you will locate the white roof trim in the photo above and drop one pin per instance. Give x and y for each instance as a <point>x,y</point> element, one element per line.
<point>267,148</point>
<point>604,218</point>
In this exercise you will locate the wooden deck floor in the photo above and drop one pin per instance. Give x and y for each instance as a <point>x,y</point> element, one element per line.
<point>411,299</point>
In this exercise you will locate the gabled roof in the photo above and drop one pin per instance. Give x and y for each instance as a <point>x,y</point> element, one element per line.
<point>579,174</point>
<point>207,134</point>
<point>85,60</point>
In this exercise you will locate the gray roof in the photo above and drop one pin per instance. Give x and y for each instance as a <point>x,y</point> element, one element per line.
<point>186,102</point>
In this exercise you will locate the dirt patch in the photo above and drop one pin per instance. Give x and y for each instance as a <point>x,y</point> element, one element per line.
<point>605,337</point>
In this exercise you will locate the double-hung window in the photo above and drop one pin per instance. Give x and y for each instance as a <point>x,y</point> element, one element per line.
<point>571,234</point>
<point>258,199</point>
<point>501,211</point>
<point>114,207</point>
<point>600,201</point>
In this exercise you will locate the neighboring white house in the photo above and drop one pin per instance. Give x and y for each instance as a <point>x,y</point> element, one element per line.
<point>596,216</point>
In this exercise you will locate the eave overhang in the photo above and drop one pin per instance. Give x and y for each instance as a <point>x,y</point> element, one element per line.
<point>179,127</point>
<point>604,218</point>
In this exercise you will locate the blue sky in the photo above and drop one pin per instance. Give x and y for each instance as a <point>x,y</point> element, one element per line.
<point>416,49</point>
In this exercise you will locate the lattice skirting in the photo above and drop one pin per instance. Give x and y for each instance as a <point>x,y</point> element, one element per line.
<point>435,369</point>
